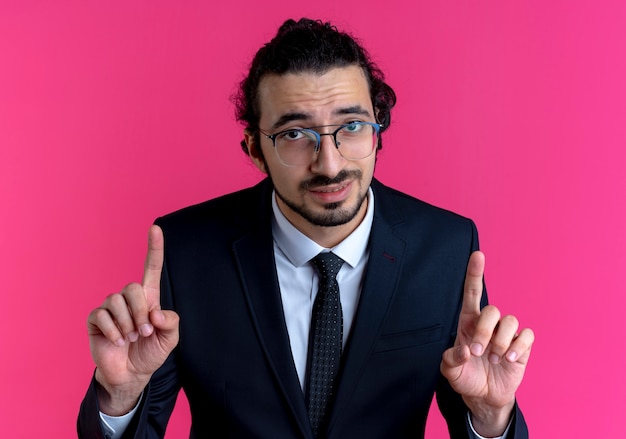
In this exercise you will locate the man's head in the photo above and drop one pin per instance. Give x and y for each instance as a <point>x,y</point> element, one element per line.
<point>313,104</point>
<point>310,46</point>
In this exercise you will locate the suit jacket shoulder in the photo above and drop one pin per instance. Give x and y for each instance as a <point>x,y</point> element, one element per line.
<point>245,208</point>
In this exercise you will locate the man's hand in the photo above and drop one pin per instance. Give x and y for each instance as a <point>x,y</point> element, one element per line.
<point>489,357</point>
<point>130,336</point>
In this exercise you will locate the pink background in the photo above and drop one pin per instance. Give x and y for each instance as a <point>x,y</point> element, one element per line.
<point>510,112</point>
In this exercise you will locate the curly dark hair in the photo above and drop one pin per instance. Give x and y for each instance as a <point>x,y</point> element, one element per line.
<point>313,46</point>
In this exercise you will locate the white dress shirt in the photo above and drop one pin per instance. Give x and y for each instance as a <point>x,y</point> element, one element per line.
<point>298,287</point>
<point>298,280</point>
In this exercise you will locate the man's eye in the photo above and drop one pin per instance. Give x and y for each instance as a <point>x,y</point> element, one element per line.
<point>291,135</point>
<point>353,127</point>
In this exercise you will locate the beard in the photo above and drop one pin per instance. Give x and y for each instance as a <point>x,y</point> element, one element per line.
<point>335,214</point>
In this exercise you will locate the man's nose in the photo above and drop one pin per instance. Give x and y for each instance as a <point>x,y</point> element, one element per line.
<point>328,160</point>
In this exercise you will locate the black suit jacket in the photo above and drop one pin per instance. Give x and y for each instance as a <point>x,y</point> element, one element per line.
<point>234,360</point>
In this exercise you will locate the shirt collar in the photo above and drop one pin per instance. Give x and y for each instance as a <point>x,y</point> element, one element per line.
<point>300,249</point>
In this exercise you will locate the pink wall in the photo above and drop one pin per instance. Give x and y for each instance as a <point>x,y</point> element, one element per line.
<point>512,113</point>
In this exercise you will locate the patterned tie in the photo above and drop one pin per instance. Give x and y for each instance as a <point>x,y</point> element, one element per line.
<point>325,340</point>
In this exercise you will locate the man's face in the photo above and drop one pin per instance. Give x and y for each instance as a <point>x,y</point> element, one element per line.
<point>331,191</point>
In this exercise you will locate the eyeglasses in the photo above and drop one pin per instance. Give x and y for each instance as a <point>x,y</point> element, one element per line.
<point>298,146</point>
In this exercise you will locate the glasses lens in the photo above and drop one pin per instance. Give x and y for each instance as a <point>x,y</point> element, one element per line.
<point>356,140</point>
<point>296,147</point>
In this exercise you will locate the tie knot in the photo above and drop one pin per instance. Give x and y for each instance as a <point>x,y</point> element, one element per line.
<point>327,265</point>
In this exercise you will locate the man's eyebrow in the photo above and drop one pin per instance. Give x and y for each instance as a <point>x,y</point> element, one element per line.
<point>354,109</point>
<point>289,117</point>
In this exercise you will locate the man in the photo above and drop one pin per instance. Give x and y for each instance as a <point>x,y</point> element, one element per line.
<point>229,307</point>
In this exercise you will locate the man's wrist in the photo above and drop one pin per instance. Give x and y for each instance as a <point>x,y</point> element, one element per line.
<point>117,401</point>
<point>490,421</point>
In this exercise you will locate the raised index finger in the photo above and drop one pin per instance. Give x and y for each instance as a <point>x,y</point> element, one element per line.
<point>473,289</point>
<point>153,266</point>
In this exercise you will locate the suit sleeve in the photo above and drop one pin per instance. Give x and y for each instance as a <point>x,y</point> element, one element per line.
<point>88,424</point>
<point>150,419</point>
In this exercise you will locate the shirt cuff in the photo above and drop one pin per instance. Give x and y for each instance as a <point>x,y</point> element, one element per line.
<point>115,426</point>
<point>477,436</point>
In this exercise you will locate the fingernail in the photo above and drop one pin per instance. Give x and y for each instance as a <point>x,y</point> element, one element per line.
<point>133,336</point>
<point>494,359</point>
<point>476,349</point>
<point>512,356</point>
<point>120,342</point>
<point>145,329</point>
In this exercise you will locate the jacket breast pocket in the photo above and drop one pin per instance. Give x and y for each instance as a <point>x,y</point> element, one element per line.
<point>408,339</point>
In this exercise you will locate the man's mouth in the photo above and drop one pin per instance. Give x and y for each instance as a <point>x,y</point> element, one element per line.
<point>332,194</point>
<point>330,190</point>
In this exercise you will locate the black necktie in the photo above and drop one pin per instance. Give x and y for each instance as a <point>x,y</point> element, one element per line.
<point>325,340</point>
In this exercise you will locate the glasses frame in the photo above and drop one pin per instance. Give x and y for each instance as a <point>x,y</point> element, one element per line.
<point>318,137</point>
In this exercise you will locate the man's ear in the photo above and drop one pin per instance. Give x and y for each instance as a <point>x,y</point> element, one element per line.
<point>254,150</point>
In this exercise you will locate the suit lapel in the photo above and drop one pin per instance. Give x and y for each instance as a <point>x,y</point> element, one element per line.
<point>255,258</point>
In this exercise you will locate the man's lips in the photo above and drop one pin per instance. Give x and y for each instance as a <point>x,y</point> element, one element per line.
<point>333,193</point>
<point>330,189</point>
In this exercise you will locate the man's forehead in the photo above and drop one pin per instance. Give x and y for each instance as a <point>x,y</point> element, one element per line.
<point>341,90</point>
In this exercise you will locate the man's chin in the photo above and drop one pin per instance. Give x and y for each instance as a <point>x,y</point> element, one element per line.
<point>333,214</point>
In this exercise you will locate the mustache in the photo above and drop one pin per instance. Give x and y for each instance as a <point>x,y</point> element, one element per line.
<point>322,180</point>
